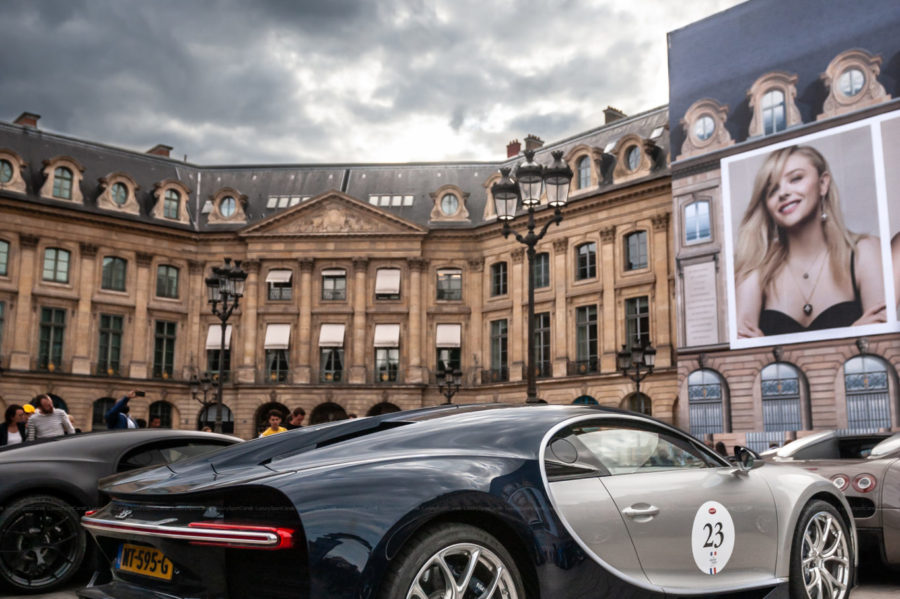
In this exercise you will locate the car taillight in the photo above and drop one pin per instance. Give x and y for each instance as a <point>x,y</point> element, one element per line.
<point>243,536</point>
<point>864,483</point>
<point>840,481</point>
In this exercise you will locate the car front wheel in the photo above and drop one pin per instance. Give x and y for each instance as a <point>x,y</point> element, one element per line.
<point>454,561</point>
<point>821,562</point>
<point>42,543</point>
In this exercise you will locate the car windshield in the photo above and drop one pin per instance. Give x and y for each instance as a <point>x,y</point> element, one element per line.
<point>889,445</point>
<point>793,447</point>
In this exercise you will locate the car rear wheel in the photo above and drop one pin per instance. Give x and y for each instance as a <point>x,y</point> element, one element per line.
<point>42,543</point>
<point>453,561</point>
<point>821,563</point>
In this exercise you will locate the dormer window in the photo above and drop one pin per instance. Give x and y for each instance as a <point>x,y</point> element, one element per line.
<point>171,204</point>
<point>119,193</point>
<point>62,183</point>
<point>583,167</point>
<point>704,127</point>
<point>227,206</point>
<point>449,204</point>
<point>852,83</point>
<point>62,179</point>
<point>633,157</point>
<point>773,112</point>
<point>6,171</point>
<point>171,201</point>
<point>773,100</point>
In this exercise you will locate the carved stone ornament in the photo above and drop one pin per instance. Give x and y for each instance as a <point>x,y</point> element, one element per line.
<point>144,259</point>
<point>331,219</point>
<point>306,264</point>
<point>17,181</point>
<point>607,234</point>
<point>517,255</point>
<point>476,265</point>
<point>251,266</point>
<point>360,264</point>
<point>195,267</point>
<point>417,264</point>
<point>29,241</point>
<point>561,245</point>
<point>661,221</point>
<point>852,83</point>
<point>88,250</point>
<point>704,128</point>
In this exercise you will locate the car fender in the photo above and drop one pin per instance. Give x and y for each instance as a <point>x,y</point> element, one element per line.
<point>792,489</point>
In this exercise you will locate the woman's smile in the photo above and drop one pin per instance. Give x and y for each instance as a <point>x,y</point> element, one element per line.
<point>795,195</point>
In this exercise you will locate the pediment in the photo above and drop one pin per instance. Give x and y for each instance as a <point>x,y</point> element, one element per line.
<point>332,214</point>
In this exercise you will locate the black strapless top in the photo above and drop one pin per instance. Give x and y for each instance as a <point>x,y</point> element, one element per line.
<point>842,314</point>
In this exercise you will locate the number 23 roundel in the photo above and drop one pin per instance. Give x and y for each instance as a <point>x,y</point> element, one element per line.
<point>712,537</point>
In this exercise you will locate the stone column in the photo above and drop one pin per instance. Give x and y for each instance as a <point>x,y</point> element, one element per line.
<point>561,331</point>
<point>518,328</point>
<point>248,357</point>
<point>660,306</point>
<point>358,330</point>
<point>474,342</point>
<point>197,304</point>
<point>141,326</point>
<point>20,358</point>
<point>608,319</point>
<point>81,357</point>
<point>415,373</point>
<point>303,370</point>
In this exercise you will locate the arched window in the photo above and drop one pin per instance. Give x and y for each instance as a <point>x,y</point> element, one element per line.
<point>585,400</point>
<point>6,171</point>
<point>640,403</point>
<point>705,396</point>
<point>163,411</point>
<point>384,407</point>
<point>327,412</point>
<point>119,193</point>
<point>583,167</point>
<point>866,387</point>
<point>113,273</point>
<point>636,250</point>
<point>100,408</point>
<point>586,261</point>
<point>696,222</point>
<point>62,183</point>
<point>781,398</point>
<point>207,418</point>
<point>773,112</point>
<point>171,204</point>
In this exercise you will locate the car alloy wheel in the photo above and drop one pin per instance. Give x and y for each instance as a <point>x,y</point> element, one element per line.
<point>42,543</point>
<point>454,561</point>
<point>821,563</point>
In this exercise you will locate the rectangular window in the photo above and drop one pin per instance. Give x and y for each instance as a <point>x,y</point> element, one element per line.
<point>4,258</point>
<point>279,284</point>
<point>212,364</point>
<point>387,364</point>
<point>56,265</point>
<point>387,284</point>
<point>277,365</point>
<point>331,364</point>
<point>171,204</point>
<point>637,321</point>
<point>164,350</point>
<point>449,285</point>
<point>541,270</point>
<point>586,339</point>
<point>334,285</point>
<point>542,365</point>
<point>167,281</point>
<point>498,278</point>
<point>53,327</point>
<point>586,261</point>
<point>2,322</point>
<point>636,250</point>
<point>449,358</point>
<point>696,222</point>
<point>110,350</point>
<point>499,349</point>
<point>113,276</point>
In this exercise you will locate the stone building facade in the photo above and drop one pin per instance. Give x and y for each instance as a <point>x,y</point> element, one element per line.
<point>362,279</point>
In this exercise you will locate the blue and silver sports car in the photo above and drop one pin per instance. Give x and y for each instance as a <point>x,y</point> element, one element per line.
<point>465,502</point>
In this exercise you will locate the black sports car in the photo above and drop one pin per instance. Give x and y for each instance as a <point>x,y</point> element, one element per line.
<point>47,485</point>
<point>464,502</point>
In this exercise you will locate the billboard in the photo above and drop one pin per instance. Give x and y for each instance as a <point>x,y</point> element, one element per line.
<point>812,236</point>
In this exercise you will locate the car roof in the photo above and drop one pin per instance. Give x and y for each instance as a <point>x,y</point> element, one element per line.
<point>100,444</point>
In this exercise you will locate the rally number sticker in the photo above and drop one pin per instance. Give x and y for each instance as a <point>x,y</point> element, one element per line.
<point>712,537</point>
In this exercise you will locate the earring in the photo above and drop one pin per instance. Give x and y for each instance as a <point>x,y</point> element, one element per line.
<point>824,217</point>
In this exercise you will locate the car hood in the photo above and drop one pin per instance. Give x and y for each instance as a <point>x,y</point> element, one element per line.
<point>828,467</point>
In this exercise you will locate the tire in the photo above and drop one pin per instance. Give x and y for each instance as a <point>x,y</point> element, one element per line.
<point>439,558</point>
<point>821,559</point>
<point>42,543</point>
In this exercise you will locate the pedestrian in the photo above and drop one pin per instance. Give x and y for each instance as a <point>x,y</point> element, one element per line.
<point>29,411</point>
<point>720,449</point>
<point>155,422</point>
<point>12,431</point>
<point>48,421</point>
<point>117,416</point>
<point>295,420</point>
<point>274,424</point>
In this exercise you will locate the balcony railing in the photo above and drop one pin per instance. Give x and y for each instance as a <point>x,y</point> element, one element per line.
<point>494,375</point>
<point>579,367</point>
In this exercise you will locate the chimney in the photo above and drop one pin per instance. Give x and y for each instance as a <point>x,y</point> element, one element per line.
<point>160,150</point>
<point>533,142</point>
<point>28,119</point>
<point>613,114</point>
<point>513,148</point>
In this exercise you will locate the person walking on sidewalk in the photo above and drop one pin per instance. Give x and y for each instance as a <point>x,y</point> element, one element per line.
<point>48,421</point>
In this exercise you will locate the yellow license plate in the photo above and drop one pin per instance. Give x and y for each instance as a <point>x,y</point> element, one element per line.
<point>146,561</point>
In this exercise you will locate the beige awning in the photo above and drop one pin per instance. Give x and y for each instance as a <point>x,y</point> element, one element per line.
<point>387,280</point>
<point>334,272</point>
<point>279,276</point>
<point>448,335</point>
<point>214,337</point>
<point>278,336</point>
<point>387,335</point>
<point>331,335</point>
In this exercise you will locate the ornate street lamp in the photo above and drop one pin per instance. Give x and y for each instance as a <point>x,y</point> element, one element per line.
<point>224,288</point>
<point>527,183</point>
<point>449,382</point>
<point>200,384</point>
<point>636,362</point>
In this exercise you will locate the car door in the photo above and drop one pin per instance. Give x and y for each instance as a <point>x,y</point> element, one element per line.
<point>695,523</point>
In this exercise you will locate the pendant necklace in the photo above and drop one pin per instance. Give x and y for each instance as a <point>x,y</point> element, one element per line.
<point>807,306</point>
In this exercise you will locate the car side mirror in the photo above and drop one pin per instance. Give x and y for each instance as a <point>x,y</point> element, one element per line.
<point>747,458</point>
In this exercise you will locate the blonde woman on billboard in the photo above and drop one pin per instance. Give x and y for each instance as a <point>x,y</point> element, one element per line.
<point>797,267</point>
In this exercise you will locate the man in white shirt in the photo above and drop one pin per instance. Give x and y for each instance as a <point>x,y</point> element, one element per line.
<point>48,421</point>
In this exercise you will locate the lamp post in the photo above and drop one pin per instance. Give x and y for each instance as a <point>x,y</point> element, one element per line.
<point>449,382</point>
<point>636,362</point>
<point>527,183</point>
<point>224,288</point>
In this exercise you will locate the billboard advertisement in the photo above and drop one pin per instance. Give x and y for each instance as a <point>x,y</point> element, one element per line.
<point>812,236</point>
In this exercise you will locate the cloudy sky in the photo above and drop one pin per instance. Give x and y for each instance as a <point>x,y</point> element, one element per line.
<point>281,81</point>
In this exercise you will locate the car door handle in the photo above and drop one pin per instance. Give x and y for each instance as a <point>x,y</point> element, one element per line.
<point>641,512</point>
